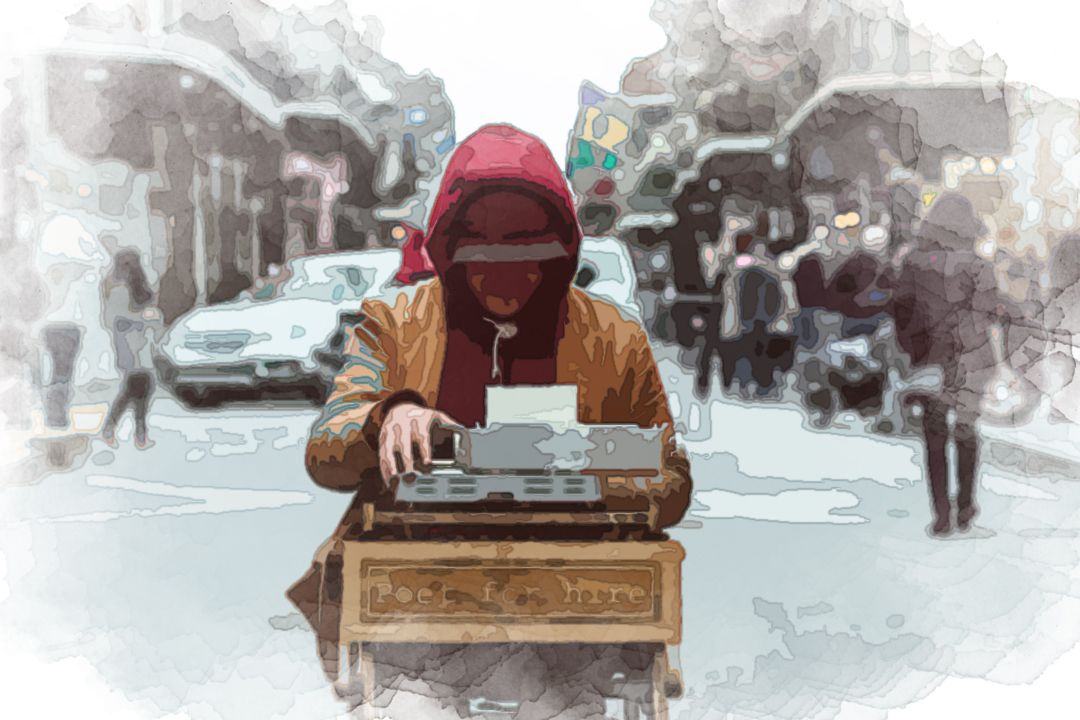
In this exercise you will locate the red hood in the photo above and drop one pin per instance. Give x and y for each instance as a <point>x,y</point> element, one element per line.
<point>503,157</point>
<point>500,158</point>
<point>415,263</point>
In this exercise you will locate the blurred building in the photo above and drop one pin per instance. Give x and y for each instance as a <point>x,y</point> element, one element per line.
<point>721,88</point>
<point>748,143</point>
<point>219,138</point>
<point>222,137</point>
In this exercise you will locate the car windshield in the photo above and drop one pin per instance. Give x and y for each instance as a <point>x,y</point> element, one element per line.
<point>599,265</point>
<point>338,280</point>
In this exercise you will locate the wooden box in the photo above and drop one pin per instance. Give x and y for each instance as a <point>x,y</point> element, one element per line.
<point>462,592</point>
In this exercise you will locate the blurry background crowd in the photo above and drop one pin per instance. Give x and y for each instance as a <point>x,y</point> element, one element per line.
<point>744,186</point>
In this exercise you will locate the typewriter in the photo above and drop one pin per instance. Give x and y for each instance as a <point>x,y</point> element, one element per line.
<point>532,465</point>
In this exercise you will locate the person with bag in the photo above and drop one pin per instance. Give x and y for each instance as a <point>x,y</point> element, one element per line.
<point>130,319</point>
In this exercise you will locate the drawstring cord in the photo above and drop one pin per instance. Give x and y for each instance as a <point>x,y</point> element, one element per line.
<point>502,330</point>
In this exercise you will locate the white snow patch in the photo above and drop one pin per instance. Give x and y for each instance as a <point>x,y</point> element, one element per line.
<point>31,690</point>
<point>787,506</point>
<point>203,500</point>
<point>1009,487</point>
<point>772,442</point>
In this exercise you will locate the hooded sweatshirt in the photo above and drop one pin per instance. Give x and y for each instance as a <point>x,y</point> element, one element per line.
<point>521,349</point>
<point>433,346</point>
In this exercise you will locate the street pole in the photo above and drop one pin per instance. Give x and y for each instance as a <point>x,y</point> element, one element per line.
<point>198,238</point>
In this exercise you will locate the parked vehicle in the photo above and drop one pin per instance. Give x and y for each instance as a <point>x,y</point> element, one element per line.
<point>253,347</point>
<point>606,270</point>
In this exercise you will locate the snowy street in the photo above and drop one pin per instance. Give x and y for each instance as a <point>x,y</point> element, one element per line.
<point>808,572</point>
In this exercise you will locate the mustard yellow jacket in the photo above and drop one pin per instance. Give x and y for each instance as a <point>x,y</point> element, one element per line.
<point>398,350</point>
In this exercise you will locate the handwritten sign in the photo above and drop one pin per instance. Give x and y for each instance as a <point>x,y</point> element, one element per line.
<point>494,592</point>
<point>516,592</point>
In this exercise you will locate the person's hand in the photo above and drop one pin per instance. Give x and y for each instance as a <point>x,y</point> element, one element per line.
<point>403,427</point>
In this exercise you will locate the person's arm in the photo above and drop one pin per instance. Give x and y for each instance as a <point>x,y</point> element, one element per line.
<point>650,409</point>
<point>809,279</point>
<point>857,289</point>
<point>109,309</point>
<point>343,450</point>
<point>1025,340</point>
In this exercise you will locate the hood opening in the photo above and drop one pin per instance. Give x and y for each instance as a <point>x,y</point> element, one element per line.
<point>556,258</point>
<point>499,159</point>
<point>520,349</point>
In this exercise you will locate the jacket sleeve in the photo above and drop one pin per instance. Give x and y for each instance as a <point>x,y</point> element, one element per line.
<point>342,452</point>
<point>650,409</point>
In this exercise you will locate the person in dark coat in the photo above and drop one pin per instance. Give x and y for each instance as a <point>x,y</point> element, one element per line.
<point>946,305</point>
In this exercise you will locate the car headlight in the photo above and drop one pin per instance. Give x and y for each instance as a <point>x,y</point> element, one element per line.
<point>88,418</point>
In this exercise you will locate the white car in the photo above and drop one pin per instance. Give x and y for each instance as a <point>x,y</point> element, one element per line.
<point>606,270</point>
<point>250,347</point>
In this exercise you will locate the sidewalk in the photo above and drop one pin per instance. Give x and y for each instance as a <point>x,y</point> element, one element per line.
<point>1037,447</point>
<point>774,439</point>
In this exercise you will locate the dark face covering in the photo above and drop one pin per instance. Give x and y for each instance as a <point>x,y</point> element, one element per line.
<point>504,220</point>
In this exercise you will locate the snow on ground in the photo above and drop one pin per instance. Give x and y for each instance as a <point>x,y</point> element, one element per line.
<point>151,583</point>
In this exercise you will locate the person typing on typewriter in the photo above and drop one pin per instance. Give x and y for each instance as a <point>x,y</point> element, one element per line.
<point>503,238</point>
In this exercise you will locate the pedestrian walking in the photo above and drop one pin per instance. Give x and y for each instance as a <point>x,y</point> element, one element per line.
<point>946,305</point>
<point>131,320</point>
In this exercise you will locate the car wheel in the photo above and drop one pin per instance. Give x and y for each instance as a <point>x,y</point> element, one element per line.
<point>199,397</point>
<point>187,394</point>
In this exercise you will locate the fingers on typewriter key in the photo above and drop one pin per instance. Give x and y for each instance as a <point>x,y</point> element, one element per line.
<point>391,448</point>
<point>403,446</point>
<point>405,439</point>
<point>386,460</point>
<point>402,462</point>
<point>386,467</point>
<point>424,447</point>
<point>420,439</point>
